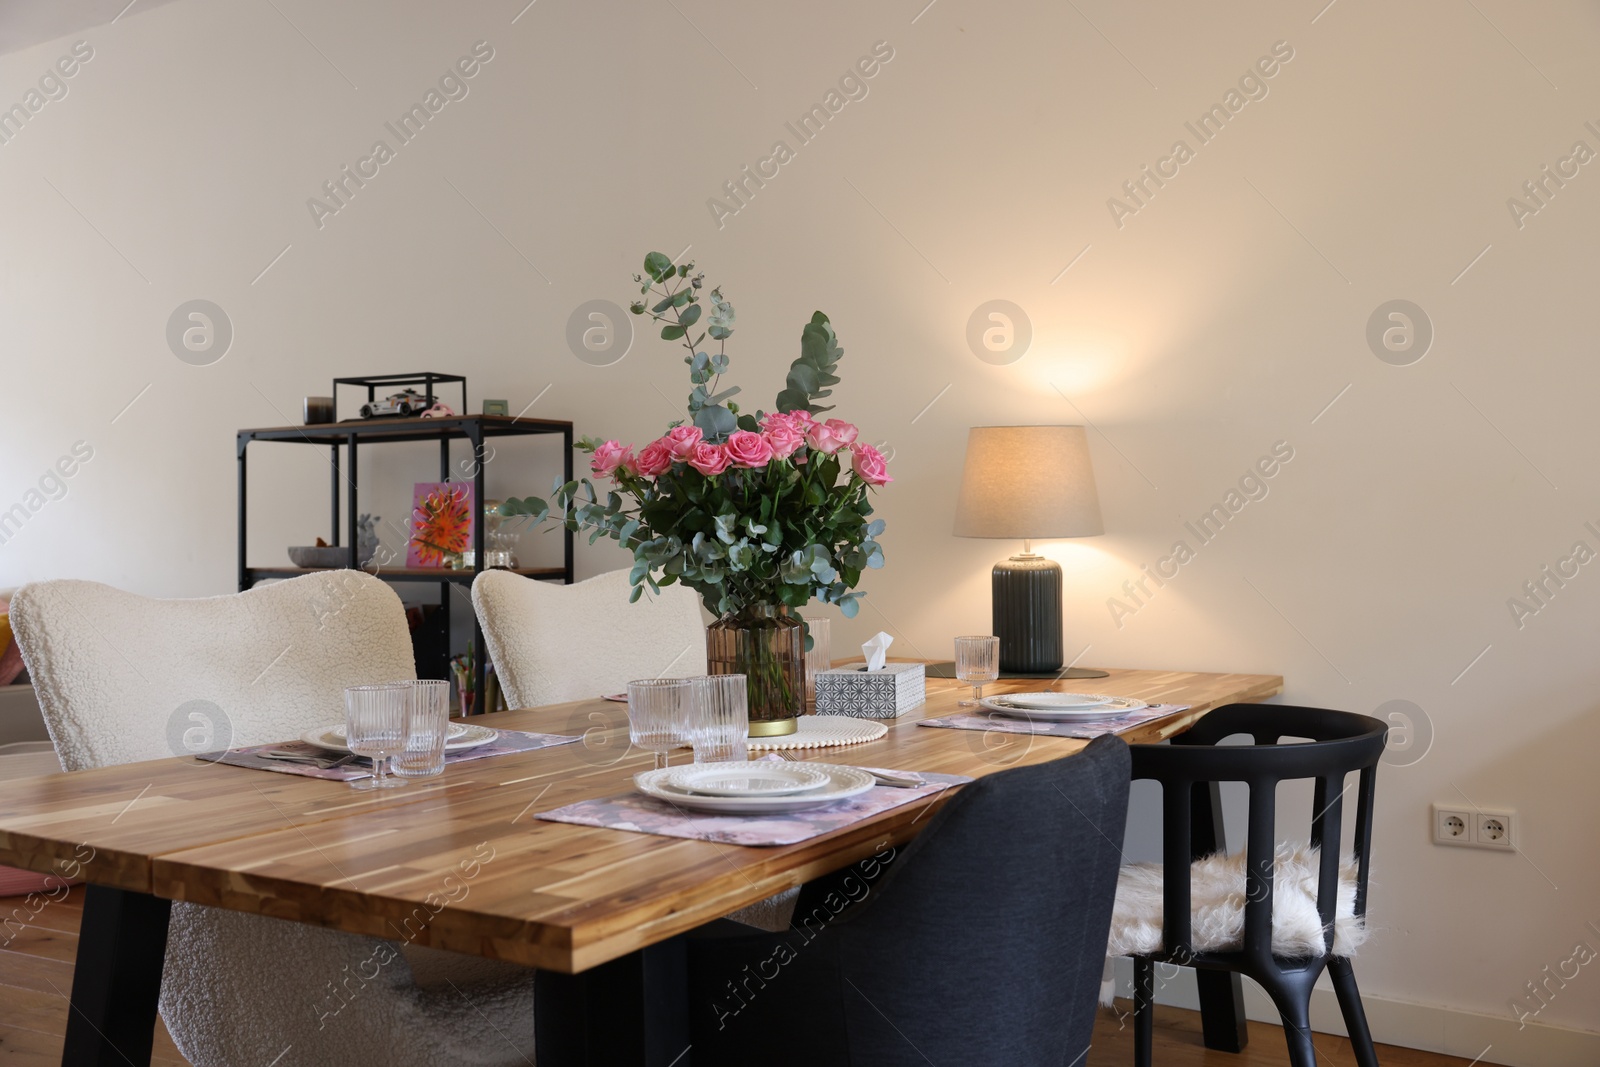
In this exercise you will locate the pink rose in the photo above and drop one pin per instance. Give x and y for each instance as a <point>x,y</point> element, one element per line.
<point>747,449</point>
<point>783,435</point>
<point>826,436</point>
<point>844,432</point>
<point>654,459</point>
<point>681,440</point>
<point>609,456</point>
<point>709,460</point>
<point>869,464</point>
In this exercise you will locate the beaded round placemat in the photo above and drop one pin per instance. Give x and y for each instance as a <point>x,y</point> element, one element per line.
<point>824,731</point>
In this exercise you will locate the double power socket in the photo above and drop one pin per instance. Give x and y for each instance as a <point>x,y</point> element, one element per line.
<point>1475,828</point>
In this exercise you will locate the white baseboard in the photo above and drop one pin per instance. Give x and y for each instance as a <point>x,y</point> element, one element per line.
<point>1483,1038</point>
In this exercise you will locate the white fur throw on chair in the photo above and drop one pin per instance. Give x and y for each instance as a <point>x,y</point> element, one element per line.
<point>1217,899</point>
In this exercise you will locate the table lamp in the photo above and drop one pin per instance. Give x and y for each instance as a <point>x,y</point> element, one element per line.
<point>1023,483</point>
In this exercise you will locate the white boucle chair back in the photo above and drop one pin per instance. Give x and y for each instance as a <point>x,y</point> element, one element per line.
<point>554,643</point>
<point>119,677</point>
<point>123,677</point>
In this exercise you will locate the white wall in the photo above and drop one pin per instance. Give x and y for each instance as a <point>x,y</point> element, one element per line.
<point>1221,318</point>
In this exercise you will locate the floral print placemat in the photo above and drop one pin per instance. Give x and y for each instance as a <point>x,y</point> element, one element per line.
<point>508,742</point>
<point>646,815</point>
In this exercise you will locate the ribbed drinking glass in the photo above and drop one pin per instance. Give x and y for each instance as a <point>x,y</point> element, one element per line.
<point>375,727</point>
<point>427,729</point>
<point>977,664</point>
<point>721,718</point>
<point>660,714</point>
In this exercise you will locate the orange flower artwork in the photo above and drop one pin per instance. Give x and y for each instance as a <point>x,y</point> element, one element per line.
<point>441,523</point>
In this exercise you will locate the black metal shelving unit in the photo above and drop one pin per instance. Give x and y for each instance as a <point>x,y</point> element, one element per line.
<point>350,435</point>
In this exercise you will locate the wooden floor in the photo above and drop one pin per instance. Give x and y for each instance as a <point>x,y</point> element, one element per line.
<point>35,978</point>
<point>36,975</point>
<point>1178,1044</point>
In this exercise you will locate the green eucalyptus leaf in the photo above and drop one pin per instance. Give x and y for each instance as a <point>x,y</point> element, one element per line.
<point>672,333</point>
<point>715,422</point>
<point>658,265</point>
<point>813,371</point>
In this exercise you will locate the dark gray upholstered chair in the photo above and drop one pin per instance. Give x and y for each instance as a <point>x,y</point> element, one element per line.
<point>980,943</point>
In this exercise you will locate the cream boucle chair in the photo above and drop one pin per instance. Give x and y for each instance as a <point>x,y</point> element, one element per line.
<point>555,643</point>
<point>113,670</point>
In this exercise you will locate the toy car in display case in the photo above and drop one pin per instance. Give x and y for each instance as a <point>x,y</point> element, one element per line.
<point>405,402</point>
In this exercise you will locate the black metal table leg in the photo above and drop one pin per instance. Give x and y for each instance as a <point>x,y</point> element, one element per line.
<point>1222,1020</point>
<point>633,1010</point>
<point>116,983</point>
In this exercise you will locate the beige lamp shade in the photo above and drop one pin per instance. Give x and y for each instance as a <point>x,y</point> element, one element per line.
<point>1031,482</point>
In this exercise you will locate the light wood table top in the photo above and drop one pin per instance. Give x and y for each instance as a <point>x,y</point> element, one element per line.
<point>460,862</point>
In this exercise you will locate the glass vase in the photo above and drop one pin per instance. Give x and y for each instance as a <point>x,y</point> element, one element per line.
<point>768,647</point>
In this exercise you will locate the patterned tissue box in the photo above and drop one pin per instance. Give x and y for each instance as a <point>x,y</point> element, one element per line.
<point>864,694</point>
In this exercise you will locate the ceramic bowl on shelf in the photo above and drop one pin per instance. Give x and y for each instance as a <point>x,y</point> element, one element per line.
<point>318,556</point>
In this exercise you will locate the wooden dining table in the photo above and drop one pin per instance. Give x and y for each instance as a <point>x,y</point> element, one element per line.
<point>602,914</point>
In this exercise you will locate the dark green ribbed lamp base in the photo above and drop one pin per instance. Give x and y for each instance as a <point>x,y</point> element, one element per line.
<point>1027,613</point>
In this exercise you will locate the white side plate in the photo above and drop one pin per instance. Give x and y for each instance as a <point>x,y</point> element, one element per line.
<point>1046,701</point>
<point>1116,708</point>
<point>741,779</point>
<point>843,783</point>
<point>456,730</point>
<point>332,737</point>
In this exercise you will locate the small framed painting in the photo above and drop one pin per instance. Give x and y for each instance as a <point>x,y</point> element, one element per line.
<point>441,523</point>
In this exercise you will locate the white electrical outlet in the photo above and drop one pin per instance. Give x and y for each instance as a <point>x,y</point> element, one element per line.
<point>1452,826</point>
<point>1475,828</point>
<point>1493,829</point>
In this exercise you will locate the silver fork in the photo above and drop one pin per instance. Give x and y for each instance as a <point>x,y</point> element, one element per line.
<point>320,762</point>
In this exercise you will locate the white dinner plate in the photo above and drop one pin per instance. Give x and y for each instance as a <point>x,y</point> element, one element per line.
<point>1115,709</point>
<point>843,783</point>
<point>743,779</point>
<point>1048,701</point>
<point>332,737</point>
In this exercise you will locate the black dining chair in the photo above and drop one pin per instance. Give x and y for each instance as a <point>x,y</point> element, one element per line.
<point>1339,744</point>
<point>982,942</point>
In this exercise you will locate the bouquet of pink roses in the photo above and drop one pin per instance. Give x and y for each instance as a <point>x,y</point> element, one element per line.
<point>747,509</point>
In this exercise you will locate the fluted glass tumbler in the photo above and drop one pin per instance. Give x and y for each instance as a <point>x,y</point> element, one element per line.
<point>721,718</point>
<point>819,657</point>
<point>427,729</point>
<point>660,714</point>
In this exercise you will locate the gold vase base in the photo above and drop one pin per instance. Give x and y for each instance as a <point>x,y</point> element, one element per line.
<point>774,727</point>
